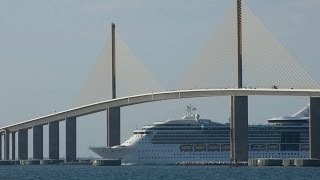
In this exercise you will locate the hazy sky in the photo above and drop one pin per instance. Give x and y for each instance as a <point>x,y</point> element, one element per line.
<point>47,48</point>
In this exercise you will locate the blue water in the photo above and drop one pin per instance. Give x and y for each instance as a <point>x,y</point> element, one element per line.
<point>156,172</point>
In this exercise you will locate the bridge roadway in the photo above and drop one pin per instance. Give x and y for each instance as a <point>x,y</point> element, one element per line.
<point>156,96</point>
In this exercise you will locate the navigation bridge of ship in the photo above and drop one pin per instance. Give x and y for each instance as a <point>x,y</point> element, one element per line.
<point>242,59</point>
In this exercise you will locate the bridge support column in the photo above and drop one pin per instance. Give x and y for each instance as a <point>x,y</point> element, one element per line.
<point>71,139</point>
<point>239,128</point>
<point>23,144</point>
<point>13,145</point>
<point>38,142</point>
<point>54,140</point>
<point>6,145</point>
<point>0,146</point>
<point>113,126</point>
<point>314,127</point>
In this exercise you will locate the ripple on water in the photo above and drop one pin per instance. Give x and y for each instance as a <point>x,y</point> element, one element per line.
<point>156,172</point>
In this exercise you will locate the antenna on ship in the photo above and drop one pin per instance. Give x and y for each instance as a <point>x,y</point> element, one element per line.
<point>190,110</point>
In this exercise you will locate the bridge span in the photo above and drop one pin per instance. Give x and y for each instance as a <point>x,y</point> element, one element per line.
<point>239,111</point>
<point>155,96</point>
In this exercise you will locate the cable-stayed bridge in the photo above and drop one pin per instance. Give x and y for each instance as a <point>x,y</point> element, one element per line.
<point>119,79</point>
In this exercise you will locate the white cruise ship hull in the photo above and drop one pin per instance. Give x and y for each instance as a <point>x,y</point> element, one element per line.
<point>171,154</point>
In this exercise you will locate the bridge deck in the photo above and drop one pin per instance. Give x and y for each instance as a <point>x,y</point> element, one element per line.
<point>157,96</point>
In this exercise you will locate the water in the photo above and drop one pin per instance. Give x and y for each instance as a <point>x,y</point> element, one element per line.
<point>156,172</point>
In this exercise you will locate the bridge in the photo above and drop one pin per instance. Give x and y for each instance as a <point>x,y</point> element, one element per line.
<point>281,77</point>
<point>151,97</point>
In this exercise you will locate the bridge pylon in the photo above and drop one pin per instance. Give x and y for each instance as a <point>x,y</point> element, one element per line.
<point>113,113</point>
<point>239,107</point>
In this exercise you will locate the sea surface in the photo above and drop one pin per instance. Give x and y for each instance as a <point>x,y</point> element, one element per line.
<point>156,172</point>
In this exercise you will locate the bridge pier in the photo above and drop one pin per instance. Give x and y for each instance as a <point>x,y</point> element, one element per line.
<point>0,146</point>
<point>23,144</point>
<point>13,145</point>
<point>239,128</point>
<point>38,142</point>
<point>113,126</point>
<point>314,127</point>
<point>71,139</point>
<point>6,145</point>
<point>54,140</point>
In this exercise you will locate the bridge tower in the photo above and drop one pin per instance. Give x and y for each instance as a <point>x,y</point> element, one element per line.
<point>314,126</point>
<point>239,106</point>
<point>113,113</point>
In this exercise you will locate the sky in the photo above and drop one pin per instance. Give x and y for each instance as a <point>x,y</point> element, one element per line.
<point>47,48</point>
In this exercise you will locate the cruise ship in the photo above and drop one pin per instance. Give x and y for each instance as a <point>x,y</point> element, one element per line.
<point>202,140</point>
